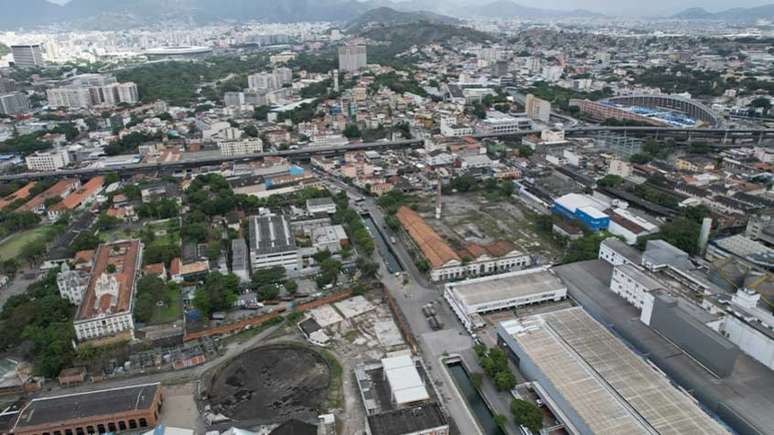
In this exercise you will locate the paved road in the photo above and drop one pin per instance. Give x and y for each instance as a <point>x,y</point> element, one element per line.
<point>434,345</point>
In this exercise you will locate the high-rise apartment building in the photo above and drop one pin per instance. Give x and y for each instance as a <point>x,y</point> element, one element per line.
<point>537,109</point>
<point>14,103</point>
<point>93,91</point>
<point>27,55</point>
<point>352,58</point>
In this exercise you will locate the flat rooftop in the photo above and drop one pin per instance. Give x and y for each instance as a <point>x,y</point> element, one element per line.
<point>612,389</point>
<point>505,286</point>
<point>271,234</point>
<point>87,405</point>
<point>407,420</point>
<point>744,399</point>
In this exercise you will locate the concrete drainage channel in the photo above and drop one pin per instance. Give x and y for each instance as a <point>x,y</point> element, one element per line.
<point>472,397</point>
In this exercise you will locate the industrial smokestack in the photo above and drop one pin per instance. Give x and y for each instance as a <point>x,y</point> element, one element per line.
<point>438,200</point>
<point>706,225</point>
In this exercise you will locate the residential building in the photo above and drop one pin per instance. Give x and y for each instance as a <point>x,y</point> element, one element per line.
<point>93,90</point>
<point>27,55</point>
<point>272,243</point>
<point>240,147</point>
<point>352,58</point>
<point>48,160</point>
<point>621,168</point>
<point>14,103</point>
<point>105,313</point>
<point>537,109</point>
<point>450,128</point>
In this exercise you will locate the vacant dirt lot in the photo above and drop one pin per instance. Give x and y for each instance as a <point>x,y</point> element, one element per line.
<point>271,384</point>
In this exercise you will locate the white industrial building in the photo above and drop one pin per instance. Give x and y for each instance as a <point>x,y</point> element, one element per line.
<point>471,298</point>
<point>502,123</point>
<point>747,325</point>
<point>597,382</point>
<point>331,238</point>
<point>617,252</point>
<point>406,385</point>
<point>321,205</point>
<point>272,243</point>
<point>632,284</point>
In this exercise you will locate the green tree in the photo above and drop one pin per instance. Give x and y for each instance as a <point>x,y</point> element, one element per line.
<point>291,286</point>
<point>273,275</point>
<point>504,381</point>
<point>610,180</point>
<point>268,292</point>
<point>352,131</point>
<point>501,421</point>
<point>527,414</point>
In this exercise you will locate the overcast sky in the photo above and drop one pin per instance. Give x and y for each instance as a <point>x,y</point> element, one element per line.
<point>610,7</point>
<point>633,7</point>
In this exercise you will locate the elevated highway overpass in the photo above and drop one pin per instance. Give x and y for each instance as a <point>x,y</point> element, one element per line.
<point>718,137</point>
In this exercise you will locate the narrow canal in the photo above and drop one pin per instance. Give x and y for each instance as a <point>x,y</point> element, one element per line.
<point>393,265</point>
<point>473,398</point>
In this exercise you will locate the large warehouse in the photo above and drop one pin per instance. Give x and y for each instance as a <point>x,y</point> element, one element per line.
<point>470,298</point>
<point>131,408</point>
<point>596,380</point>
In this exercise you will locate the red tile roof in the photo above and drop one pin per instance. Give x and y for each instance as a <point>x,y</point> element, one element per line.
<point>433,247</point>
<point>125,257</point>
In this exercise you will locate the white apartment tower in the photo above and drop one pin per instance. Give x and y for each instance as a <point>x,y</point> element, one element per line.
<point>352,58</point>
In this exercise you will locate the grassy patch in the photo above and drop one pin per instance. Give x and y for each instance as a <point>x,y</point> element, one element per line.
<point>169,312</point>
<point>12,246</point>
<point>336,390</point>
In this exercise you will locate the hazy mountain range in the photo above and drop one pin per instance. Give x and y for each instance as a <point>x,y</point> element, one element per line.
<point>129,13</point>
<point>742,14</point>
<point>126,13</point>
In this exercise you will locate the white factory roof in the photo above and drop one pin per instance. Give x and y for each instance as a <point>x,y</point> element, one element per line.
<point>593,212</point>
<point>610,388</point>
<point>404,380</point>
<point>573,201</point>
<point>505,286</point>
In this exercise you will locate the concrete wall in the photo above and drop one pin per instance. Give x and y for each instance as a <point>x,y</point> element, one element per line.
<point>705,345</point>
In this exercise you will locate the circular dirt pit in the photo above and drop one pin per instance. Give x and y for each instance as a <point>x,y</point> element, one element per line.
<point>271,384</point>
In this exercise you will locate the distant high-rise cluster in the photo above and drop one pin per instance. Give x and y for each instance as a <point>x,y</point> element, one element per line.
<point>269,81</point>
<point>93,90</point>
<point>352,58</point>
